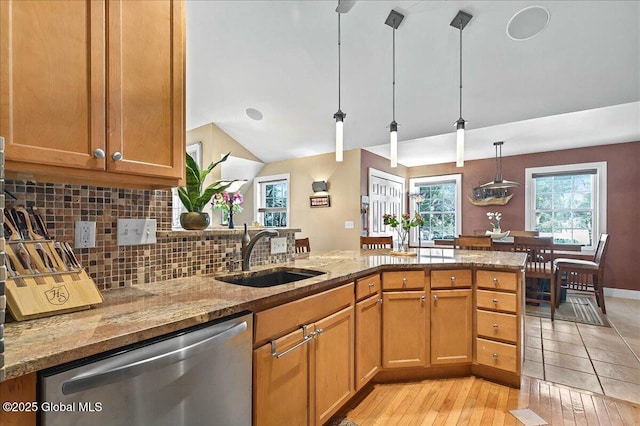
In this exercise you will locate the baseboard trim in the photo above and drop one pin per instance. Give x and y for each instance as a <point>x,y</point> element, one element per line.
<point>622,293</point>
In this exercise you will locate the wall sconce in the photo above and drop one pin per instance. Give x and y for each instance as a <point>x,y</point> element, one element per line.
<point>319,186</point>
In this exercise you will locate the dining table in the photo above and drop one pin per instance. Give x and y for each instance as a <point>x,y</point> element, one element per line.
<point>507,244</point>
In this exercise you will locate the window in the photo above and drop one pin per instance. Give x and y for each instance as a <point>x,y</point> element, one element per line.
<point>567,202</point>
<point>441,208</point>
<point>272,195</point>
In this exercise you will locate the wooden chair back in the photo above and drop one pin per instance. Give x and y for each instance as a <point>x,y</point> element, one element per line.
<point>539,255</point>
<point>302,245</point>
<point>369,243</point>
<point>473,242</point>
<point>524,233</point>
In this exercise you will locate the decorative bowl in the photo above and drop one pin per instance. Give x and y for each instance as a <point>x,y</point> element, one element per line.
<point>497,235</point>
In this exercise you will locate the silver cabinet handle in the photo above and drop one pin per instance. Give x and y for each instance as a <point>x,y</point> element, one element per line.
<point>495,356</point>
<point>306,339</point>
<point>380,301</point>
<point>495,301</point>
<point>404,280</point>
<point>371,285</point>
<point>495,280</point>
<point>495,326</point>
<point>453,278</point>
<point>319,331</point>
<point>423,298</point>
<point>93,379</point>
<point>98,153</point>
<point>117,156</point>
<point>435,297</point>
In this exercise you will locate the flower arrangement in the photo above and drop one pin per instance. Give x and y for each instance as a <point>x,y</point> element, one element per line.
<point>230,203</point>
<point>402,226</point>
<point>494,220</point>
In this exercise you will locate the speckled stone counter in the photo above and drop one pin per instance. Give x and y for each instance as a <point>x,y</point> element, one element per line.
<point>141,312</point>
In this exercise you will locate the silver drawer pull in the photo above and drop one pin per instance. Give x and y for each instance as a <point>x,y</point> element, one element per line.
<point>319,331</point>
<point>495,356</point>
<point>453,278</point>
<point>117,156</point>
<point>495,301</point>
<point>435,297</point>
<point>371,285</point>
<point>98,153</point>
<point>495,280</point>
<point>380,301</point>
<point>306,339</point>
<point>423,298</point>
<point>404,280</point>
<point>495,326</point>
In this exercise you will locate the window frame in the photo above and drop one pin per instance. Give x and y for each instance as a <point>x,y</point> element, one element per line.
<point>599,195</point>
<point>257,195</point>
<point>433,180</point>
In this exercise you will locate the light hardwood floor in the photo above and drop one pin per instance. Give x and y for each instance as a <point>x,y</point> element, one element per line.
<point>475,401</point>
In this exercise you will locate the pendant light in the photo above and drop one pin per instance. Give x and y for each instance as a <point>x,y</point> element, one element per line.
<point>498,182</point>
<point>339,115</point>
<point>460,21</point>
<point>393,20</point>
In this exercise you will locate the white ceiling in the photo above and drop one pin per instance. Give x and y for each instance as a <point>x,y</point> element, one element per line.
<point>575,84</point>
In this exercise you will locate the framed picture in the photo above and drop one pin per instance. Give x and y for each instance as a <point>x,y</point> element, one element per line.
<point>320,201</point>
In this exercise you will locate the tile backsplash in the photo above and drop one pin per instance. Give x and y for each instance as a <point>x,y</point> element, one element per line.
<point>176,254</point>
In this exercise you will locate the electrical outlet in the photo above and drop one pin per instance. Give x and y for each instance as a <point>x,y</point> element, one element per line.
<point>278,245</point>
<point>85,234</point>
<point>136,231</point>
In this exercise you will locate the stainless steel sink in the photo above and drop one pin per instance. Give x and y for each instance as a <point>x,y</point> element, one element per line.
<point>270,278</point>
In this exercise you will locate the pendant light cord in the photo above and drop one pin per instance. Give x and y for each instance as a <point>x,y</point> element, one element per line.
<point>394,71</point>
<point>460,68</point>
<point>339,60</point>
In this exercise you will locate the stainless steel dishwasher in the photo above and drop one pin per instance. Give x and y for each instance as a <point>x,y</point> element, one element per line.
<point>199,376</point>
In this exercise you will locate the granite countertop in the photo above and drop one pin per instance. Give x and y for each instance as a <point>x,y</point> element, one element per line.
<point>137,313</point>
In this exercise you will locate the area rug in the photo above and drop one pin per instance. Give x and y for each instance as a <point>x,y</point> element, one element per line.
<point>341,421</point>
<point>579,307</point>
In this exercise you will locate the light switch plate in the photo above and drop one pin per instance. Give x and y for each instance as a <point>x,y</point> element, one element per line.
<point>85,234</point>
<point>132,232</point>
<point>278,245</point>
<point>348,224</point>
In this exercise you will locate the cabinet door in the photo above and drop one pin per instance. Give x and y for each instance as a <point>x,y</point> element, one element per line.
<point>451,326</point>
<point>280,385</point>
<point>146,87</point>
<point>404,329</point>
<point>333,364</point>
<point>368,327</point>
<point>52,82</point>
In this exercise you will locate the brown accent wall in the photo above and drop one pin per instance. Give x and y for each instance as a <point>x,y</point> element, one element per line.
<point>623,199</point>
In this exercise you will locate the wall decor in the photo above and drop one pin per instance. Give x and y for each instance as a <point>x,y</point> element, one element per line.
<point>320,201</point>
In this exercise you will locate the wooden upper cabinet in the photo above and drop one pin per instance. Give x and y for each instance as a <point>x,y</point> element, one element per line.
<point>52,82</point>
<point>145,92</point>
<point>93,88</point>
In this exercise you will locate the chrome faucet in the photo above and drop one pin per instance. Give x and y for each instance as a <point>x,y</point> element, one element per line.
<point>249,243</point>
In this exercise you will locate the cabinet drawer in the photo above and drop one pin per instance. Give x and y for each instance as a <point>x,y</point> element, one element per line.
<point>400,280</point>
<point>497,280</point>
<point>498,355</point>
<point>451,278</point>
<point>497,325</point>
<point>496,300</point>
<point>367,286</point>
<point>275,322</point>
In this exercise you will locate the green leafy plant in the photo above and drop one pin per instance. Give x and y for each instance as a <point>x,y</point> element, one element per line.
<point>192,196</point>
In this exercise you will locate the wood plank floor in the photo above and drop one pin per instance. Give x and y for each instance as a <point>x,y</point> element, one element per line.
<point>474,401</point>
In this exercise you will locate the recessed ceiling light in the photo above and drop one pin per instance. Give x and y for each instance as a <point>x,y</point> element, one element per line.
<point>527,23</point>
<point>253,114</point>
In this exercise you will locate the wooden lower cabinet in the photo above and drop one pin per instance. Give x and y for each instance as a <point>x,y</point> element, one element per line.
<point>368,328</point>
<point>281,385</point>
<point>451,326</point>
<point>333,359</point>
<point>404,329</point>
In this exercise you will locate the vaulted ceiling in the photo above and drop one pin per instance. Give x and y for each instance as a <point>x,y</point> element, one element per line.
<point>577,83</point>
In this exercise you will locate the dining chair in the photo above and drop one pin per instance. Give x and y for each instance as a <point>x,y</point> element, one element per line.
<point>539,267</point>
<point>524,233</point>
<point>473,242</point>
<point>369,243</point>
<point>584,275</point>
<point>302,245</point>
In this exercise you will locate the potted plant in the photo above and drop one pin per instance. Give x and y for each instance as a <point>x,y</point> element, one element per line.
<point>194,198</point>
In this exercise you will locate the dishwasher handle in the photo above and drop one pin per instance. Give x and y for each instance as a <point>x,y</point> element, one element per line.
<point>92,380</point>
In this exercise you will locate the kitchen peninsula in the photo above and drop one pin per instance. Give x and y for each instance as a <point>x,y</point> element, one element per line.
<point>460,311</point>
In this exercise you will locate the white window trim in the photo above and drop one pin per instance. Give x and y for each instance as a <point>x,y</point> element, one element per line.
<point>600,211</point>
<point>413,182</point>
<point>257,195</point>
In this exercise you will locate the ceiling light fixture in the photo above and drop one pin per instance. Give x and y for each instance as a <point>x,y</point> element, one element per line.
<point>339,115</point>
<point>460,21</point>
<point>393,20</point>
<point>498,182</point>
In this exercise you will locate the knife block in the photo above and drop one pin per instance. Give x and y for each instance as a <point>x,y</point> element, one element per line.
<point>37,288</point>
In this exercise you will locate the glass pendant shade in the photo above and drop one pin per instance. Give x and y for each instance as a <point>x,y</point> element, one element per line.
<point>393,143</point>
<point>339,116</point>
<point>460,143</point>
